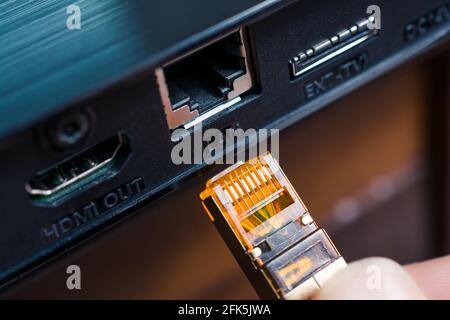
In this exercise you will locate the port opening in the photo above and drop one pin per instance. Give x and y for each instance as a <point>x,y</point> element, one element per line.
<point>332,48</point>
<point>205,82</point>
<point>80,171</point>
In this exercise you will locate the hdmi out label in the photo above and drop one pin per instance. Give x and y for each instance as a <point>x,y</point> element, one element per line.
<point>93,209</point>
<point>338,75</point>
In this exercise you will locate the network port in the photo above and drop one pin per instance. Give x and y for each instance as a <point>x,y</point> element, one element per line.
<point>205,82</point>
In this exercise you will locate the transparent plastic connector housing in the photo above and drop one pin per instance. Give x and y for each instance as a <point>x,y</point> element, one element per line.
<point>255,204</point>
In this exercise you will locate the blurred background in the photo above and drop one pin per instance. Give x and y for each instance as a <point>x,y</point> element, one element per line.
<point>372,168</point>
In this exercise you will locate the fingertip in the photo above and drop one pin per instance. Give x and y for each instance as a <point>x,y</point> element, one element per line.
<point>432,276</point>
<point>371,279</point>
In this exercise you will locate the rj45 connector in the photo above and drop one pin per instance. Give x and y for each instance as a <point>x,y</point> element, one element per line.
<point>269,230</point>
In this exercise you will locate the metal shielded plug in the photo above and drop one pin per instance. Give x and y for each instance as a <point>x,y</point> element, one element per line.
<point>269,230</point>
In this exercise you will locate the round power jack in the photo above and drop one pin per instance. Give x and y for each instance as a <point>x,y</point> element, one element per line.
<point>70,129</point>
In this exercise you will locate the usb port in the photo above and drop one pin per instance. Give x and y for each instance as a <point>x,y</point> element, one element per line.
<point>330,49</point>
<point>205,82</point>
<point>79,171</point>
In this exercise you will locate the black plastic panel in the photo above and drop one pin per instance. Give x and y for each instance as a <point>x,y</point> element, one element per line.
<point>134,107</point>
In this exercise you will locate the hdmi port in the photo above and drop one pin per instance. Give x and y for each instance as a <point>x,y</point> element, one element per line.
<point>80,171</point>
